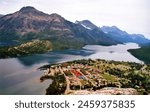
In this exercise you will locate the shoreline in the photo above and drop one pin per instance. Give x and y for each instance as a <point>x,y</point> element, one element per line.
<point>90,76</point>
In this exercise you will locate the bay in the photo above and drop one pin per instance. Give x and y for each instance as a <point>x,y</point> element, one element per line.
<point>21,76</point>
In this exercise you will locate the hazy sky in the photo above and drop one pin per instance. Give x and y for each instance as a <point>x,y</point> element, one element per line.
<point>130,15</point>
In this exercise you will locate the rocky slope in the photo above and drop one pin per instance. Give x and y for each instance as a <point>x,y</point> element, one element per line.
<point>28,23</point>
<point>96,32</point>
<point>87,24</point>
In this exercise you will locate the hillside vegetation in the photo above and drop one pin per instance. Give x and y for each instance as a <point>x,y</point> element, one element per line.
<point>142,53</point>
<point>28,48</point>
<point>94,75</point>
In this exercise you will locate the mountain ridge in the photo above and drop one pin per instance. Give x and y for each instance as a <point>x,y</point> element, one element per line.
<point>28,23</point>
<point>87,24</point>
<point>122,36</point>
<point>115,33</point>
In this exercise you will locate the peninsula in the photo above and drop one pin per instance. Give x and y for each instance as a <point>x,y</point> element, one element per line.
<point>97,77</point>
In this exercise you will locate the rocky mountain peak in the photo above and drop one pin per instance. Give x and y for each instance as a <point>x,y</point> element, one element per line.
<point>87,21</point>
<point>29,12</point>
<point>55,15</point>
<point>87,24</point>
<point>27,9</point>
<point>111,29</point>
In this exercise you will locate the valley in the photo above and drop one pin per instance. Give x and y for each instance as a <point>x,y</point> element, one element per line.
<point>29,24</point>
<point>79,57</point>
<point>21,76</point>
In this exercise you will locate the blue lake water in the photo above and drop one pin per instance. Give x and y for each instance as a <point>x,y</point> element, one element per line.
<point>21,75</point>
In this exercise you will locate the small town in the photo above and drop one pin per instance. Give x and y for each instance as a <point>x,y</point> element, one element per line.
<point>87,76</point>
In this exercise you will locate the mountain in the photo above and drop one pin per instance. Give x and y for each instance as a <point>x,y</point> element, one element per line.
<point>123,36</point>
<point>98,35</point>
<point>87,24</point>
<point>28,23</point>
<point>1,15</point>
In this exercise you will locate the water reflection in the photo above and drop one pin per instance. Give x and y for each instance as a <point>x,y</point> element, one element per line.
<point>116,52</point>
<point>20,75</point>
<point>53,57</point>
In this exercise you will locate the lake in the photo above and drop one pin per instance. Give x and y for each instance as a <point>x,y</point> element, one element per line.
<point>21,75</point>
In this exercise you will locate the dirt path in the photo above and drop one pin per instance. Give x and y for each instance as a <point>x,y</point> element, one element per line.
<point>67,81</point>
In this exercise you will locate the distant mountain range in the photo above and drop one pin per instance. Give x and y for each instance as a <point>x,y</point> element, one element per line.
<point>123,36</point>
<point>116,34</point>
